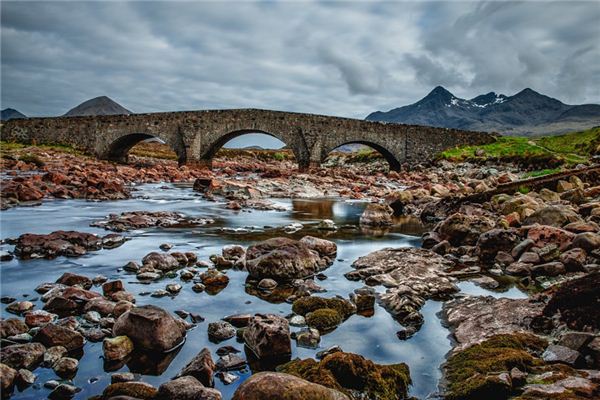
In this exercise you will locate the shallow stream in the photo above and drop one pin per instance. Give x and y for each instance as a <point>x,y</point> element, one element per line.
<point>374,337</point>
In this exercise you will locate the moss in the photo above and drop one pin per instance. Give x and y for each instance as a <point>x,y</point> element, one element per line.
<point>323,319</point>
<point>304,305</point>
<point>138,390</point>
<point>354,375</point>
<point>468,372</point>
<point>32,159</point>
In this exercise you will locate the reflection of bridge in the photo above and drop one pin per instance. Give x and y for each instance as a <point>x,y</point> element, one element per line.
<point>197,135</point>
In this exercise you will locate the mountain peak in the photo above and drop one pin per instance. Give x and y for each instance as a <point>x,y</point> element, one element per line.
<point>11,113</point>
<point>440,91</point>
<point>101,105</point>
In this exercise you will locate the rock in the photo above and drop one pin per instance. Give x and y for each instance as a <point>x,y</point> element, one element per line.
<point>233,252</point>
<point>275,385</point>
<point>543,235</point>
<point>145,219</point>
<point>573,259</point>
<point>460,229</point>
<point>117,348</point>
<point>64,391</point>
<point>11,327</point>
<point>5,256</point>
<point>325,248</point>
<point>486,282</point>
<point>112,287</point>
<point>268,336</point>
<point>137,390</point>
<point>25,377</point>
<point>230,362</point>
<point>121,308</point>
<point>100,305</point>
<point>69,279</point>
<point>66,367</point>
<point>305,305</point>
<point>267,284</point>
<point>173,288</point>
<point>576,301</point>
<point>549,269</point>
<point>476,318</point>
<point>308,337</point>
<point>226,377</point>
<point>530,257</point>
<point>122,377</point>
<point>327,225</point>
<point>561,354</point>
<point>587,241</point>
<point>160,261</point>
<point>28,355</point>
<point>556,215</point>
<point>549,195</point>
<point>364,299</point>
<point>7,379</point>
<point>220,330</point>
<point>201,367</point>
<point>323,319</point>
<point>186,388</point>
<point>198,287</point>
<point>20,307</point>
<point>150,328</point>
<point>53,354</point>
<point>376,215</point>
<point>412,276</point>
<point>353,374</point>
<point>521,248</point>
<point>238,320</point>
<point>54,335</point>
<point>58,243</point>
<point>563,186</point>
<point>165,246</point>
<point>575,340</point>
<point>495,240</point>
<point>283,259</point>
<point>213,277</point>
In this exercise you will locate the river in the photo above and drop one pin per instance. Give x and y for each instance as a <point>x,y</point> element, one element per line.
<point>373,337</point>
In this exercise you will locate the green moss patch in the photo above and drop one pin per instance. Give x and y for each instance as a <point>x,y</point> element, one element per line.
<point>354,375</point>
<point>305,305</point>
<point>323,319</point>
<point>470,373</point>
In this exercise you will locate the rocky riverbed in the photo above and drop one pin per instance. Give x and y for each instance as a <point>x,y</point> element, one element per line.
<point>336,284</point>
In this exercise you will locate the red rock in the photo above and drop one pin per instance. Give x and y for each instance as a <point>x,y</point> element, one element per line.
<point>53,335</point>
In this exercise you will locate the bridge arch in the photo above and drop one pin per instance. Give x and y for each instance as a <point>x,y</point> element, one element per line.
<point>388,154</point>
<point>210,149</point>
<point>118,148</point>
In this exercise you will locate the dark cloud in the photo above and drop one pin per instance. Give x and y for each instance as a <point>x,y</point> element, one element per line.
<point>340,58</point>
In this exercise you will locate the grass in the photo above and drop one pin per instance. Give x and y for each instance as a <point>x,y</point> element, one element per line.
<point>10,147</point>
<point>542,172</point>
<point>568,149</point>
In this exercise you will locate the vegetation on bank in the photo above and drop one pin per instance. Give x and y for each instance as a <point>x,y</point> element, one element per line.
<point>473,373</point>
<point>549,151</point>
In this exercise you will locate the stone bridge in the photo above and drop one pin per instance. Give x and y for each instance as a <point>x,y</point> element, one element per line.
<point>197,135</point>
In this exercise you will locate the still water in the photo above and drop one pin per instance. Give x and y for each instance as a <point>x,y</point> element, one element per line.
<point>373,337</point>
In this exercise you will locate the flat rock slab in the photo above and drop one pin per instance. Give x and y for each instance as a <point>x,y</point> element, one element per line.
<point>411,275</point>
<point>63,243</point>
<point>146,219</point>
<point>475,318</point>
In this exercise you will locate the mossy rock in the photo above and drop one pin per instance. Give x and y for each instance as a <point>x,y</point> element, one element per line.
<point>470,372</point>
<point>305,305</point>
<point>324,319</point>
<point>354,375</point>
<point>139,390</point>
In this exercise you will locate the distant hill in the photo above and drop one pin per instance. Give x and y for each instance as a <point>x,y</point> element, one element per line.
<point>526,113</point>
<point>255,147</point>
<point>11,113</point>
<point>97,106</point>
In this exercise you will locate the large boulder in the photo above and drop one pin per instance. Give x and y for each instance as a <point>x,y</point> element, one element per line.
<point>376,215</point>
<point>276,386</point>
<point>150,328</point>
<point>186,388</point>
<point>56,335</point>
<point>354,375</point>
<point>495,240</point>
<point>28,355</point>
<point>325,248</point>
<point>11,327</point>
<point>556,215</point>
<point>543,235</point>
<point>268,336</point>
<point>160,261</point>
<point>283,259</point>
<point>461,229</point>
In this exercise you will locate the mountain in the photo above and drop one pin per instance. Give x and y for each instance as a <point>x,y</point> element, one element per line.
<point>526,113</point>
<point>97,106</point>
<point>11,113</point>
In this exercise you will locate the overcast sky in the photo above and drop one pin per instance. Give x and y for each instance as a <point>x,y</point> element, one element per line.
<point>336,58</point>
